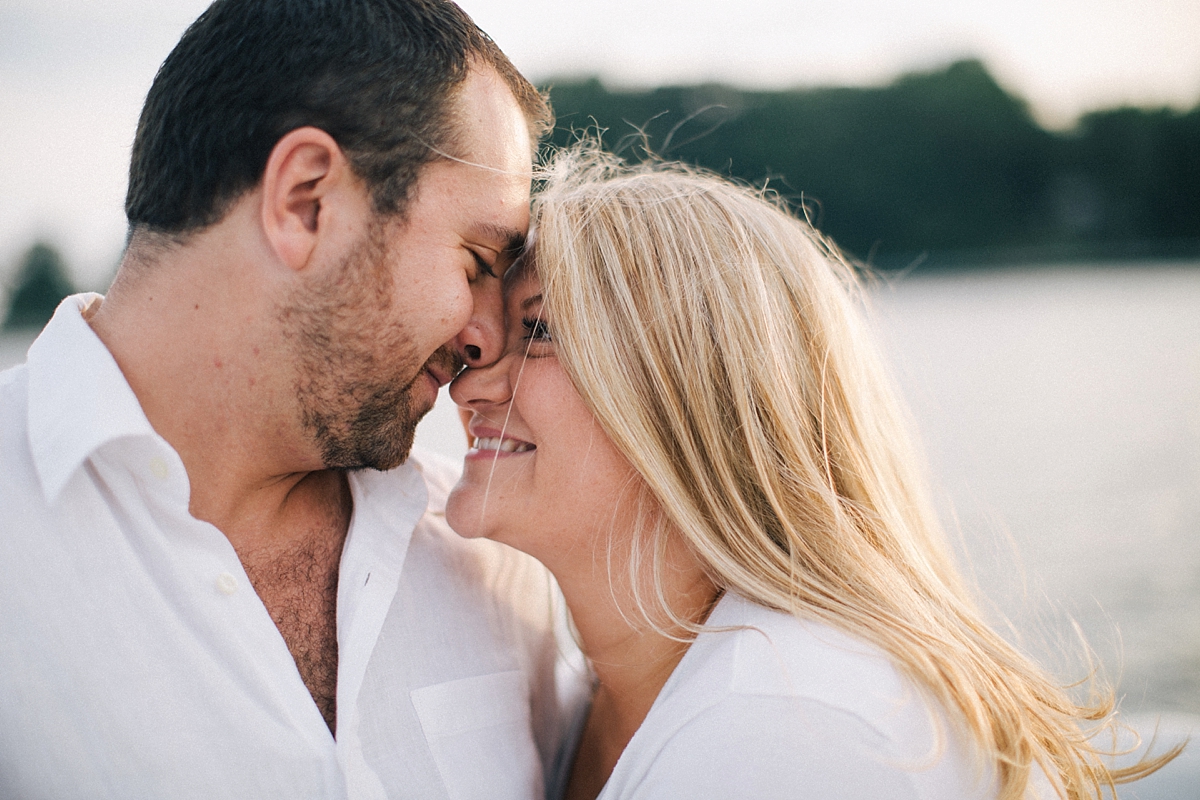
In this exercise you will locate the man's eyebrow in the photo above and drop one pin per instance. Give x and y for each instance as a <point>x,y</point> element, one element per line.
<point>513,239</point>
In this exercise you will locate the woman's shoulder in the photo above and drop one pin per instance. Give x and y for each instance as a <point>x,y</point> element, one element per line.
<point>750,651</point>
<point>765,652</point>
<point>764,703</point>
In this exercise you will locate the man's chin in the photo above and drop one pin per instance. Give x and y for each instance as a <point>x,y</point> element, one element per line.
<point>377,447</point>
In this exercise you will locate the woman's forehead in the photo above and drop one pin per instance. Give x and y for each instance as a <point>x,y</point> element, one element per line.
<point>525,292</point>
<point>522,266</point>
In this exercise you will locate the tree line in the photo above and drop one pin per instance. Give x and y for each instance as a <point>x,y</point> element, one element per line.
<point>944,165</point>
<point>941,168</point>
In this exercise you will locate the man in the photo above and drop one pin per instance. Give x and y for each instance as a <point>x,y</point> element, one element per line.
<point>209,588</point>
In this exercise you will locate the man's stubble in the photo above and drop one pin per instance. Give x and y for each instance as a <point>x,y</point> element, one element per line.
<point>357,372</point>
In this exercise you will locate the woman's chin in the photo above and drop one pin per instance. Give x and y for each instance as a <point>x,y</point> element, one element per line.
<point>464,515</point>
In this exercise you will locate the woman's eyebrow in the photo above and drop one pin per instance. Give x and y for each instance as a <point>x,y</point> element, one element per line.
<point>531,301</point>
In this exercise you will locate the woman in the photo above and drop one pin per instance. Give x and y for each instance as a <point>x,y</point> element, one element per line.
<point>691,429</point>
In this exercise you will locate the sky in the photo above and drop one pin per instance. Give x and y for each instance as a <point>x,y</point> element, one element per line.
<point>73,73</point>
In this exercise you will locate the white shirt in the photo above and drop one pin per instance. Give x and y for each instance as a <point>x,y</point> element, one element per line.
<point>784,708</point>
<point>136,660</point>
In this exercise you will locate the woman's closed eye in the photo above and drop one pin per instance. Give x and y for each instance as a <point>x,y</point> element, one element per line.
<point>536,329</point>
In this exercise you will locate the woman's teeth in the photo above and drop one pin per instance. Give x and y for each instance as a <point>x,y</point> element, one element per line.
<point>503,445</point>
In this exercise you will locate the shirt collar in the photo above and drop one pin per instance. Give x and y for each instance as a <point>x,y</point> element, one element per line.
<point>78,398</point>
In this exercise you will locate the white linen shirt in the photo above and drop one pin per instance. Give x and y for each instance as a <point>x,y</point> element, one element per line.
<point>136,660</point>
<point>775,708</point>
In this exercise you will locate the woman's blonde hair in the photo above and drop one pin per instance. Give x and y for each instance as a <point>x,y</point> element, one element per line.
<point>717,340</point>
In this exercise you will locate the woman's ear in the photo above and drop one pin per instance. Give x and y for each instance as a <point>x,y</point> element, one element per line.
<point>305,170</point>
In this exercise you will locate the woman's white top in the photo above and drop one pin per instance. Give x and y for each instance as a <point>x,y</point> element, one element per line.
<point>785,708</point>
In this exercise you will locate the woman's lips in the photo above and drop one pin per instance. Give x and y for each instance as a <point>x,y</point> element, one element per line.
<point>504,445</point>
<point>489,443</point>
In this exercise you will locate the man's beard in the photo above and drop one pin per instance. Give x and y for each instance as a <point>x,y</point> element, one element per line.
<point>358,378</point>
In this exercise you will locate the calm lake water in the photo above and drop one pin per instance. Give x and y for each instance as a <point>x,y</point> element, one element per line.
<point>1060,411</point>
<point>1061,415</point>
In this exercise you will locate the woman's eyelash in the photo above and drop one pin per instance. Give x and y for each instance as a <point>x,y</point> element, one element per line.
<point>536,328</point>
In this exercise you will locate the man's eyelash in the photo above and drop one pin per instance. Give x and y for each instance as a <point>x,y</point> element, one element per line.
<point>536,328</point>
<point>484,267</point>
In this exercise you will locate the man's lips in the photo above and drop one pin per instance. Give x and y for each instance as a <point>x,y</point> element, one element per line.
<point>439,374</point>
<point>443,365</point>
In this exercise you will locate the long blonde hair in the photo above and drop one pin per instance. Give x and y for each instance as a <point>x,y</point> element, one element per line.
<point>717,340</point>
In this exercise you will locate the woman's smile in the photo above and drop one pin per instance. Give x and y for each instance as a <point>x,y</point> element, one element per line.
<point>491,443</point>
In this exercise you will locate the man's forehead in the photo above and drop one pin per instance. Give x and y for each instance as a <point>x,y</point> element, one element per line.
<point>491,131</point>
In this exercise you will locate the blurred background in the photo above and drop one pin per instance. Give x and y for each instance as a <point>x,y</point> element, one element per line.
<point>1021,179</point>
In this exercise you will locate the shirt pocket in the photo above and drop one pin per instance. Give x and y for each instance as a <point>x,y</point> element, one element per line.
<point>480,734</point>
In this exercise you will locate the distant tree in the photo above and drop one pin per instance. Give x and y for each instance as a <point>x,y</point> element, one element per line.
<point>41,283</point>
<point>1144,167</point>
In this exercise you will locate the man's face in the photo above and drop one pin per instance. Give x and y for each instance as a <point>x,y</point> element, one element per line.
<point>382,331</point>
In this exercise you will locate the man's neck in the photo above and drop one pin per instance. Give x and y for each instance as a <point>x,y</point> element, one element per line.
<point>198,343</point>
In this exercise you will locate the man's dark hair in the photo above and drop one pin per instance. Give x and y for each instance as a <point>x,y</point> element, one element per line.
<point>376,75</point>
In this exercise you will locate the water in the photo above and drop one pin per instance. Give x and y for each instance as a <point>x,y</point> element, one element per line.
<point>1060,411</point>
<point>1061,415</point>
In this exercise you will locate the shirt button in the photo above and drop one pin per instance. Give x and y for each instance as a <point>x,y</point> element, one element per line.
<point>227,584</point>
<point>158,468</point>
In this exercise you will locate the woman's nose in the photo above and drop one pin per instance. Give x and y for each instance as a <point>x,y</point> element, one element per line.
<point>478,387</point>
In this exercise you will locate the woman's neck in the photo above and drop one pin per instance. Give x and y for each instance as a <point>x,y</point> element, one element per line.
<point>632,660</point>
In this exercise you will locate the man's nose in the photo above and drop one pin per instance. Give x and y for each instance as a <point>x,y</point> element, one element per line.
<point>481,341</point>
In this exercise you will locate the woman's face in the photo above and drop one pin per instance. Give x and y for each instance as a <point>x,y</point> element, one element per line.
<point>541,474</point>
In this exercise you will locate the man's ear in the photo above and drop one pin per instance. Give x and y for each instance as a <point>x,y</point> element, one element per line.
<point>305,170</point>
